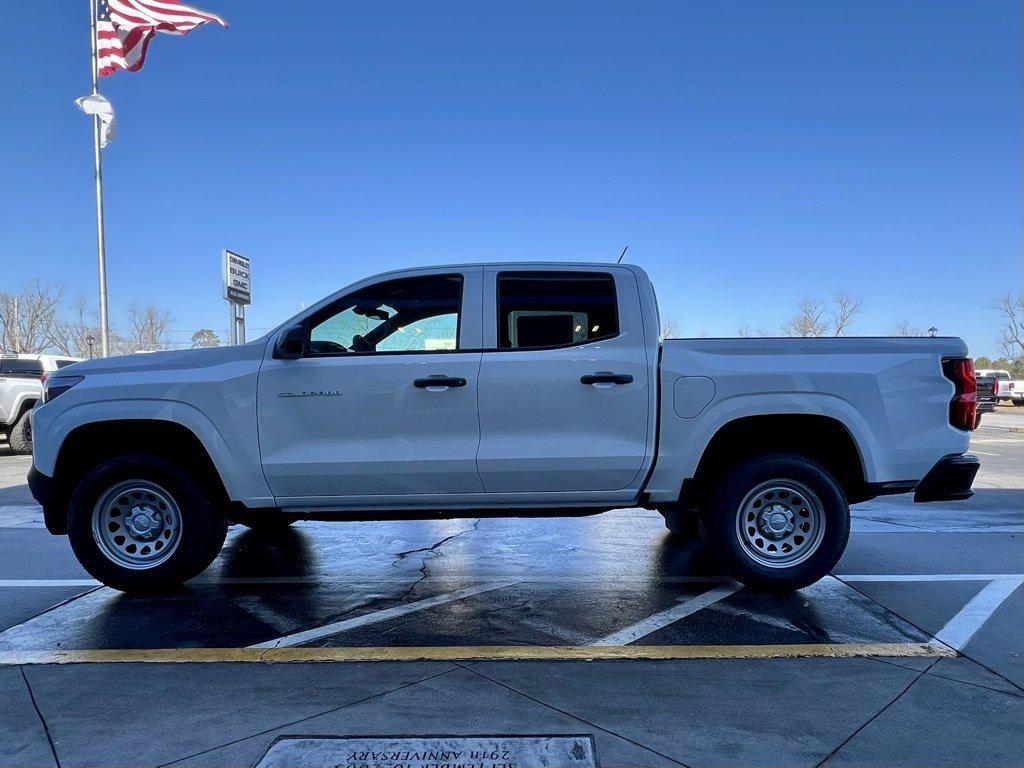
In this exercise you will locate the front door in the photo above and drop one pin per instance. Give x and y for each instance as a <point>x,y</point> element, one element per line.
<point>564,392</point>
<point>383,401</point>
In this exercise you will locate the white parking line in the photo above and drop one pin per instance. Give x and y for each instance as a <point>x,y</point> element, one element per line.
<point>929,576</point>
<point>372,618</point>
<point>49,583</point>
<point>979,609</point>
<point>670,616</point>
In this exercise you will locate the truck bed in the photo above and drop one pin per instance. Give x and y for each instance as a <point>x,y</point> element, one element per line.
<point>890,394</point>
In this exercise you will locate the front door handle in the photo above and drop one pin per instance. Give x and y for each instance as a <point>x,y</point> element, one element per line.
<point>606,377</point>
<point>438,382</point>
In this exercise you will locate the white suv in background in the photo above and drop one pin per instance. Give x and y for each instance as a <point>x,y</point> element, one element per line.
<point>21,386</point>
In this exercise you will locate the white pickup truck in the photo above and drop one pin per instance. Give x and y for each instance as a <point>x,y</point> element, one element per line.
<point>21,387</point>
<point>498,390</point>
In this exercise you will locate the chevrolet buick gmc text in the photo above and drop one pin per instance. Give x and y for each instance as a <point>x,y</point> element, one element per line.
<point>495,390</point>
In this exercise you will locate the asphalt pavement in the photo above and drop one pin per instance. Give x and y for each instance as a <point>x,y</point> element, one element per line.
<point>908,655</point>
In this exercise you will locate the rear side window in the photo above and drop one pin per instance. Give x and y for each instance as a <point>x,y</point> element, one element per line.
<point>14,366</point>
<point>555,309</point>
<point>64,363</point>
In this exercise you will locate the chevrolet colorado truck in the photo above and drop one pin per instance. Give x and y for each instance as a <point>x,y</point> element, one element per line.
<point>498,390</point>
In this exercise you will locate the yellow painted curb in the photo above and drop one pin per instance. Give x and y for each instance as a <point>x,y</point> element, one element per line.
<point>473,653</point>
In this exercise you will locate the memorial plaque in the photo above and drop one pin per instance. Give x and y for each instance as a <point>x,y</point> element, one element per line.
<point>431,752</point>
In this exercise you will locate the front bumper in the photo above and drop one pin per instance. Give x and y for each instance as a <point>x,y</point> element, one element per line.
<point>949,480</point>
<point>41,487</point>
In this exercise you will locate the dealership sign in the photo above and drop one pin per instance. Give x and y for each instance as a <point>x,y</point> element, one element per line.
<point>237,278</point>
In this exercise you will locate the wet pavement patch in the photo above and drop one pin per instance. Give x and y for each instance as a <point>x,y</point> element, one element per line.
<point>334,622</point>
<point>431,752</point>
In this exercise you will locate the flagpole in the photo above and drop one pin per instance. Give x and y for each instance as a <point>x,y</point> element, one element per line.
<point>101,247</point>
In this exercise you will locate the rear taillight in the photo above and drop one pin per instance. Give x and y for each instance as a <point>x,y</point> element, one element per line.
<point>963,408</point>
<point>995,386</point>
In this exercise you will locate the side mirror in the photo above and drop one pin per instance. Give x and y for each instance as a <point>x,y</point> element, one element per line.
<point>290,343</point>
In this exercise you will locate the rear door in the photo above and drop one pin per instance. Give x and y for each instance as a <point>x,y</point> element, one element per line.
<point>384,400</point>
<point>564,382</point>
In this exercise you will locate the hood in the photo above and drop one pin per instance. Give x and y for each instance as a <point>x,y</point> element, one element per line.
<point>161,361</point>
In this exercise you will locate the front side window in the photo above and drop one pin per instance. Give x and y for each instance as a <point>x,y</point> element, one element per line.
<point>413,314</point>
<point>554,309</point>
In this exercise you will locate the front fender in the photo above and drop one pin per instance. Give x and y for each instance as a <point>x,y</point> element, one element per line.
<point>22,401</point>
<point>235,458</point>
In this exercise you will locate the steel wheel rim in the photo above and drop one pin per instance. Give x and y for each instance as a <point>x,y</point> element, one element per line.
<point>136,524</point>
<point>780,523</point>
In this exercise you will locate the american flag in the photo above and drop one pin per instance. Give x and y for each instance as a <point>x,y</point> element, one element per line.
<point>125,27</point>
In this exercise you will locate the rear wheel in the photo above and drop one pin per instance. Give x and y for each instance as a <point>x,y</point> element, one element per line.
<point>20,437</point>
<point>780,521</point>
<point>139,523</point>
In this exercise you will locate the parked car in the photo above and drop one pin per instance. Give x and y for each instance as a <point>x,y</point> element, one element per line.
<point>499,390</point>
<point>21,387</point>
<point>988,393</point>
<point>1002,382</point>
<point>1015,388</point>
<point>1007,389</point>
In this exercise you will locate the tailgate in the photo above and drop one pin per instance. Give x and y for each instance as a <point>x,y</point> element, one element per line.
<point>986,388</point>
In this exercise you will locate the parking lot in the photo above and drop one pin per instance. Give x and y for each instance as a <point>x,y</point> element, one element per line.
<point>909,655</point>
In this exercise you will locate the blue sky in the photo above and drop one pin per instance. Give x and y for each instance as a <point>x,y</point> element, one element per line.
<point>750,153</point>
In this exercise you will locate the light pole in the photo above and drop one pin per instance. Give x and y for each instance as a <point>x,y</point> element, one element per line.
<point>90,340</point>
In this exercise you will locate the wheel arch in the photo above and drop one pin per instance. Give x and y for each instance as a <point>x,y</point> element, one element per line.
<point>88,444</point>
<point>821,438</point>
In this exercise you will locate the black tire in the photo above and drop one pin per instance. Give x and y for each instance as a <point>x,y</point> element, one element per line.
<point>20,436</point>
<point>682,522</point>
<point>203,525</point>
<point>721,532</point>
<point>1018,402</point>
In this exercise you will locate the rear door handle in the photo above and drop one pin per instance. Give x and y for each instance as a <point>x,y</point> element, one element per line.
<point>438,382</point>
<point>606,377</point>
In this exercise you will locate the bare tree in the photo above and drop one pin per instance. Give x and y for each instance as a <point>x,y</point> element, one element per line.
<point>669,329</point>
<point>79,336</point>
<point>746,333</point>
<point>29,318</point>
<point>808,321</point>
<point>71,337</point>
<point>148,327</point>
<point>204,337</point>
<point>846,309</point>
<point>1012,309</point>
<point>903,328</point>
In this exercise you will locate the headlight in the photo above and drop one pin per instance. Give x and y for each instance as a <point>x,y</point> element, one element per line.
<point>58,385</point>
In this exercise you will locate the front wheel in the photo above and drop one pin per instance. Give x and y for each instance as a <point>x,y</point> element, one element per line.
<point>777,522</point>
<point>139,523</point>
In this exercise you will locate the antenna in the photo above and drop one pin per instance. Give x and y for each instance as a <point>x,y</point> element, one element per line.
<point>622,254</point>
